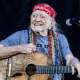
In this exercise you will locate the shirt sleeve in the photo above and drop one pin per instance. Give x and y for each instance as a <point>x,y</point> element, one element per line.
<point>64,45</point>
<point>12,39</point>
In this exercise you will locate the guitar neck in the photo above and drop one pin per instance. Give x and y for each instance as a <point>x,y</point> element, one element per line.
<point>52,69</point>
<point>32,69</point>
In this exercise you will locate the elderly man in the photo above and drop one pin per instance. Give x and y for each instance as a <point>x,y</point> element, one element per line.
<point>42,37</point>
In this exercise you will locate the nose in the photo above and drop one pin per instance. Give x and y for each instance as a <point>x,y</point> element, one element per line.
<point>38,18</point>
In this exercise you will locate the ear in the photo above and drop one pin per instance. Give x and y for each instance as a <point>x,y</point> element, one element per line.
<point>52,24</point>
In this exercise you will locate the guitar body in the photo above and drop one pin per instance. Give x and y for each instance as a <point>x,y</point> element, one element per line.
<point>3,68</point>
<point>24,66</point>
<point>20,61</point>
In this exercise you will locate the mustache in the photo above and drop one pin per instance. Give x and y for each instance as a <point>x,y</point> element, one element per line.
<point>38,23</point>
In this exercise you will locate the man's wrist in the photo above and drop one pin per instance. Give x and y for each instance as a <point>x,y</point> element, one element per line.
<point>73,61</point>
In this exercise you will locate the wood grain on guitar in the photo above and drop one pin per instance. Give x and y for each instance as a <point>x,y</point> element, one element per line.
<point>35,66</point>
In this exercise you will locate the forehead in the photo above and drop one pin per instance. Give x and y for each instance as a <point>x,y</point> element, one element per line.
<point>40,12</point>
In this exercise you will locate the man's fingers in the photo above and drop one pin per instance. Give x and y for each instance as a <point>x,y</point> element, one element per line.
<point>73,70</point>
<point>78,69</point>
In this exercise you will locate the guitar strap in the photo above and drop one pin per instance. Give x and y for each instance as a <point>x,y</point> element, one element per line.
<point>55,35</point>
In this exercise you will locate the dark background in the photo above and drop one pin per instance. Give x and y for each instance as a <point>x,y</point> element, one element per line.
<point>15,16</point>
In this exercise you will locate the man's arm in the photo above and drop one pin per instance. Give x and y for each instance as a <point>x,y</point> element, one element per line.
<point>13,50</point>
<point>74,63</point>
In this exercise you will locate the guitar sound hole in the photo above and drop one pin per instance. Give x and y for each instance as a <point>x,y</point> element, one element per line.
<point>30,69</point>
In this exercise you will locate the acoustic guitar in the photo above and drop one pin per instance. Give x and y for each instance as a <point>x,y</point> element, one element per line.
<point>36,66</point>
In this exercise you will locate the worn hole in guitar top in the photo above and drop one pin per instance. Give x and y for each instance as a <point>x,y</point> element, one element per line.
<point>17,74</point>
<point>30,69</point>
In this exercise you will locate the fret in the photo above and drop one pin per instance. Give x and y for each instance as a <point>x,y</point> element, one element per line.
<point>43,69</point>
<point>59,69</point>
<point>68,68</point>
<point>48,69</point>
<point>52,69</point>
<point>56,68</point>
<point>62,69</point>
<point>65,69</point>
<point>37,69</point>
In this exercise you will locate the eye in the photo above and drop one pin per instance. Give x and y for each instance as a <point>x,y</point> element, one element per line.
<point>34,15</point>
<point>42,16</point>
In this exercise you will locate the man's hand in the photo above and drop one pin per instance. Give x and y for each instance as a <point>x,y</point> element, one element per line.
<point>75,64</point>
<point>27,48</point>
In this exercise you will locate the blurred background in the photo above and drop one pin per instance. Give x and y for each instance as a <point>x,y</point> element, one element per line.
<point>15,16</point>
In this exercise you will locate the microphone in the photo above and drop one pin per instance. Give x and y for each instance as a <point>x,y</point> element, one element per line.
<point>69,22</point>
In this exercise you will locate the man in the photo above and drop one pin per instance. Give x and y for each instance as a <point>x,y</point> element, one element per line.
<point>42,37</point>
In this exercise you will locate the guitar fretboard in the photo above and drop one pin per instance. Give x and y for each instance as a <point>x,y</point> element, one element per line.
<point>52,69</point>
